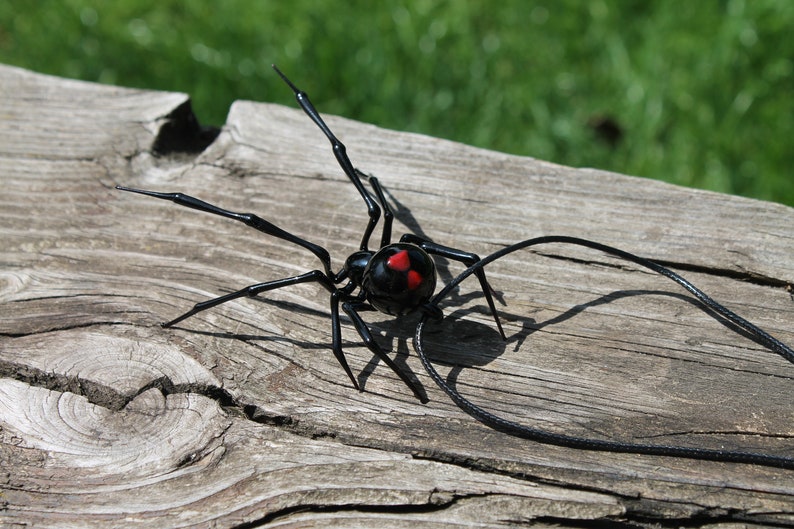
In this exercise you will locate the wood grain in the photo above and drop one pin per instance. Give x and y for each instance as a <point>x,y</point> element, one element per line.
<point>241,415</point>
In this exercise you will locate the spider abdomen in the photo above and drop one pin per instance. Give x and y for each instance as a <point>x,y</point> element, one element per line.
<point>399,278</point>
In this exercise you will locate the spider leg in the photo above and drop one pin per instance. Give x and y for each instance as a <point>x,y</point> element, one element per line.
<point>336,337</point>
<point>253,290</point>
<point>249,219</point>
<point>466,258</point>
<point>340,152</point>
<point>372,345</point>
<point>388,215</point>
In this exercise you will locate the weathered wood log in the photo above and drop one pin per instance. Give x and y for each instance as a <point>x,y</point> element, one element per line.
<point>242,416</point>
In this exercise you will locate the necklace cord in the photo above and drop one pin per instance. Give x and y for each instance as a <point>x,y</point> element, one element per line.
<point>543,436</point>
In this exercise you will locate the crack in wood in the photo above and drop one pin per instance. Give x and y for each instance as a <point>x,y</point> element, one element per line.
<point>103,395</point>
<point>182,133</point>
<point>749,277</point>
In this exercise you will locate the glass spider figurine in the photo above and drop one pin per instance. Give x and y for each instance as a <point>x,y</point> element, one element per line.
<point>397,279</point>
<point>400,278</point>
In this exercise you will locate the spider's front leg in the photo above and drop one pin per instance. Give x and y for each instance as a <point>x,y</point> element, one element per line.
<point>249,219</point>
<point>388,215</point>
<point>351,308</point>
<point>466,258</point>
<point>340,152</point>
<point>252,291</point>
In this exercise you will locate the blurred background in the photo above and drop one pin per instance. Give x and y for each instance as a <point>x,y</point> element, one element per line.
<point>695,93</point>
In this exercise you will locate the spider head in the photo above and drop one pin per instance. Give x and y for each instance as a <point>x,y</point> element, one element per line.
<point>355,266</point>
<point>399,278</point>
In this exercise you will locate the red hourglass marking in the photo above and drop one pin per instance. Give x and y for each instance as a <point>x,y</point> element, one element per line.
<point>399,261</point>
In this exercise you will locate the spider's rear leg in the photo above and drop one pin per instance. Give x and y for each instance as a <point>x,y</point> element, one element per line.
<point>466,258</point>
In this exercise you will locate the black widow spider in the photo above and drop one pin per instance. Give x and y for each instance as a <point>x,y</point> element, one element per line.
<point>397,279</point>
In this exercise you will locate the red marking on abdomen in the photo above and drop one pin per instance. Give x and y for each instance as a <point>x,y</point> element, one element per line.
<point>414,279</point>
<point>399,261</point>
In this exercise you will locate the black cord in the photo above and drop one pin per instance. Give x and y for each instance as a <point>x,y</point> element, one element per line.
<point>520,430</point>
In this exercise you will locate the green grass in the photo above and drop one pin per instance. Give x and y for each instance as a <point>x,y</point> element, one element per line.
<point>699,92</point>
